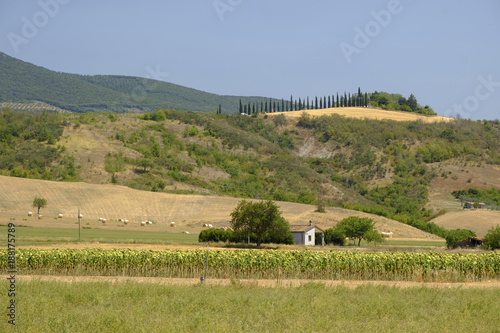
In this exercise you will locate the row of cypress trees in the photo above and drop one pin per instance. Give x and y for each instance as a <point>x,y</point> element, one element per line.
<point>345,100</point>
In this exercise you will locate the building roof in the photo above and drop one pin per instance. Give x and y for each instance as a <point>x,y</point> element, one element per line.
<point>303,228</point>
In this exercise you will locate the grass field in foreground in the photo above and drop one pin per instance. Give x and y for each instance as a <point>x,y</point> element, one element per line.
<point>133,307</point>
<point>38,236</point>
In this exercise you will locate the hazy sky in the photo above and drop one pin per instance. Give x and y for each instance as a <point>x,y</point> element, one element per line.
<point>445,52</point>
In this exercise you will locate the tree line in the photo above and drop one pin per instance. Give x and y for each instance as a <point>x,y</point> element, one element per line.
<point>358,99</point>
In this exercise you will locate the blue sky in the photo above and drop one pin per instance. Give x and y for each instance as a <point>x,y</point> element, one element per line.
<point>447,53</point>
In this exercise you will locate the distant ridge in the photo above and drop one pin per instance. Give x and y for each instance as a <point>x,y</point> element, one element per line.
<point>22,82</point>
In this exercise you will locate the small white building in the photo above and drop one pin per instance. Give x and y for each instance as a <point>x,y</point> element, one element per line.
<point>305,234</point>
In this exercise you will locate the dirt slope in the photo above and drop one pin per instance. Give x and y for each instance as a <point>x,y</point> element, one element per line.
<point>114,202</point>
<point>356,112</point>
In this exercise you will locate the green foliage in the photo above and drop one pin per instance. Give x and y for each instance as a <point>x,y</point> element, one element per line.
<point>457,235</point>
<point>261,218</point>
<point>39,203</point>
<point>356,227</point>
<point>492,238</point>
<point>114,162</point>
<point>334,236</point>
<point>491,197</point>
<point>21,82</point>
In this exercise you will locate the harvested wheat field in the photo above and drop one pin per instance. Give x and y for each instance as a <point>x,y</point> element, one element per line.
<point>115,202</point>
<point>356,112</point>
<point>479,221</point>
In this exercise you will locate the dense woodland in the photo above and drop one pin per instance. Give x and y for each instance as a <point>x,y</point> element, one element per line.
<point>259,156</point>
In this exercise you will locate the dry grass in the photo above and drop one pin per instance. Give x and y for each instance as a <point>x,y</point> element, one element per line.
<point>114,202</point>
<point>367,113</point>
<point>479,221</point>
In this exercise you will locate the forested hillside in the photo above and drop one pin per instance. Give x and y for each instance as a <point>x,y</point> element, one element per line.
<point>22,82</point>
<point>28,87</point>
<point>378,166</point>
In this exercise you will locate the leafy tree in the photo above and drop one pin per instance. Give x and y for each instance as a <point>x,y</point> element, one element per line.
<point>356,227</point>
<point>261,218</point>
<point>145,163</point>
<point>334,236</point>
<point>412,102</point>
<point>457,235</point>
<point>492,238</point>
<point>39,203</point>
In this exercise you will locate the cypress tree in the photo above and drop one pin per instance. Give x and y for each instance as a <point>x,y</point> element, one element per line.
<point>324,102</point>
<point>296,106</point>
<point>321,103</point>
<point>254,108</point>
<point>291,103</point>
<point>307,106</point>
<point>282,105</point>
<point>366,100</point>
<point>329,102</point>
<point>316,103</point>
<point>349,100</point>
<point>241,107</point>
<point>345,99</point>
<point>337,99</point>
<point>300,104</point>
<point>274,106</point>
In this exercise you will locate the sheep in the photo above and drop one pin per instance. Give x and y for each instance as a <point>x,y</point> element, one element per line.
<point>209,225</point>
<point>104,221</point>
<point>172,224</point>
<point>205,225</point>
<point>143,223</point>
<point>120,220</point>
<point>80,216</point>
<point>150,222</point>
<point>30,213</point>
<point>186,232</point>
<point>387,234</point>
<point>40,217</point>
<point>60,216</point>
<point>125,221</point>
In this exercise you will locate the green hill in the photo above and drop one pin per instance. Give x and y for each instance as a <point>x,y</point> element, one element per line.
<point>22,82</point>
<point>383,167</point>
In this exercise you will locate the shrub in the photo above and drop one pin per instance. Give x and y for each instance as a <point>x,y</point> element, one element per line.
<point>492,238</point>
<point>457,235</point>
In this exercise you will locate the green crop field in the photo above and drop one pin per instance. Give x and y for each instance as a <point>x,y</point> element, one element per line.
<point>263,264</point>
<point>49,306</point>
<point>26,236</point>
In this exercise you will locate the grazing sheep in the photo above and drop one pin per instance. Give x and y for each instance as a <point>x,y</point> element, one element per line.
<point>172,224</point>
<point>104,221</point>
<point>80,216</point>
<point>120,220</point>
<point>205,225</point>
<point>60,216</point>
<point>30,213</point>
<point>143,223</point>
<point>150,222</point>
<point>186,232</point>
<point>125,221</point>
<point>387,234</point>
<point>40,217</point>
